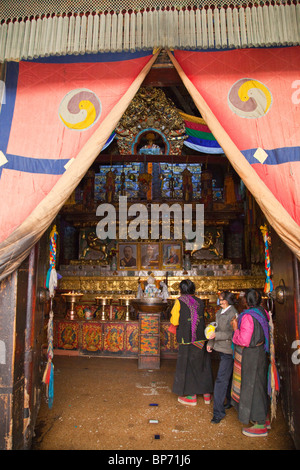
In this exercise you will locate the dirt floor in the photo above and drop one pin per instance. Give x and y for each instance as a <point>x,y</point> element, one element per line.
<point>108,404</point>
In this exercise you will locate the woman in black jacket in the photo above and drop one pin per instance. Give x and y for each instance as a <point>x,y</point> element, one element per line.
<point>193,374</point>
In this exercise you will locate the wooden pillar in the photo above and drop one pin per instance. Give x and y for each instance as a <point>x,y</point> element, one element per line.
<point>29,344</point>
<point>23,305</point>
<point>13,294</point>
<point>149,341</point>
<point>286,271</point>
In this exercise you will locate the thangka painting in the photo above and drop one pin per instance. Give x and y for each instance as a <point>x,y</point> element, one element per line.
<point>132,339</point>
<point>165,338</point>
<point>91,336</point>
<point>113,338</point>
<point>67,335</point>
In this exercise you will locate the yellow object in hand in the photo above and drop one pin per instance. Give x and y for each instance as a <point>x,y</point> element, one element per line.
<point>209,330</point>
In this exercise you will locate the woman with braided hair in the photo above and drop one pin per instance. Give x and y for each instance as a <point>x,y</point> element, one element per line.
<point>251,347</point>
<point>193,374</point>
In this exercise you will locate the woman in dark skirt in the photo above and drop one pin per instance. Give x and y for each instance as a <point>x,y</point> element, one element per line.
<point>193,374</point>
<point>249,392</point>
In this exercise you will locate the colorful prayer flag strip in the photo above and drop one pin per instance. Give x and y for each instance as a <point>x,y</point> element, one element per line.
<point>200,137</point>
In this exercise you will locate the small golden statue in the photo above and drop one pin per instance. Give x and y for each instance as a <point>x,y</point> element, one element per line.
<point>187,186</point>
<point>150,148</point>
<point>110,186</point>
<point>145,180</point>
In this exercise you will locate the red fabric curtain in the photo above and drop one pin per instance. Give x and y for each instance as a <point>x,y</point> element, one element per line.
<point>250,101</point>
<point>57,116</point>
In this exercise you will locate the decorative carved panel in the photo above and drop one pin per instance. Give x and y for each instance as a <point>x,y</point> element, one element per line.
<point>151,118</point>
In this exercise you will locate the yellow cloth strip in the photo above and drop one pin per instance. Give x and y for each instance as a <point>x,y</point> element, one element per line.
<point>190,118</point>
<point>175,313</point>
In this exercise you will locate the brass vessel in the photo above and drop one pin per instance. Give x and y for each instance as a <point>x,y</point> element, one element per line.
<point>71,299</point>
<point>149,305</point>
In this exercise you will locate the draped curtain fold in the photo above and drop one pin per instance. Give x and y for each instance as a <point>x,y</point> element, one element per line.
<point>268,166</point>
<point>16,246</point>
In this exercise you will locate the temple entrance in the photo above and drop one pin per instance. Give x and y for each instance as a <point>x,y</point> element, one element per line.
<point>97,339</point>
<point>96,325</point>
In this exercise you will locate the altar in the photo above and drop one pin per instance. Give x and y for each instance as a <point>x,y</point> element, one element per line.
<point>110,339</point>
<point>111,327</point>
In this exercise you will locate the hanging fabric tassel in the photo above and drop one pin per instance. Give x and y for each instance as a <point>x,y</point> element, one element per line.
<point>89,33</point>
<point>138,31</point>
<point>9,40</point>
<point>273,376</point>
<point>83,29</point>
<point>48,377</point>
<point>230,27</point>
<point>76,43</point>
<point>101,32</point>
<point>64,36</point>
<point>126,45</point>
<point>268,284</point>
<point>51,280</point>
<point>217,28</point>
<point>114,28</point>
<point>181,28</point>
<point>255,32</point>
<point>198,29</point>
<point>243,27</point>
<point>71,34</point>
<point>164,28</point>
<point>132,32</point>
<point>38,38</point>
<point>51,284</point>
<point>223,27</point>
<point>175,29</point>
<point>210,28</point>
<point>204,28</point>
<point>58,39</point>
<point>156,28</point>
<point>32,39</point>
<point>48,36</point>
<point>96,22</point>
<point>3,38</point>
<point>107,37</point>
<point>236,28</point>
<point>42,45</point>
<point>53,35</point>
<point>15,40</point>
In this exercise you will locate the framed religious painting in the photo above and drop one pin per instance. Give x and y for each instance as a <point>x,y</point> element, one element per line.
<point>127,256</point>
<point>149,256</point>
<point>171,255</point>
